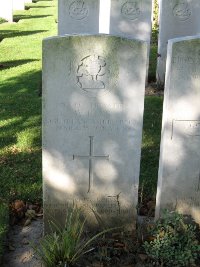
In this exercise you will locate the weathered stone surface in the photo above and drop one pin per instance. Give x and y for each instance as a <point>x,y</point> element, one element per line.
<point>93,93</point>
<point>78,16</point>
<point>18,4</point>
<point>178,18</point>
<point>179,169</point>
<point>131,18</point>
<point>6,10</point>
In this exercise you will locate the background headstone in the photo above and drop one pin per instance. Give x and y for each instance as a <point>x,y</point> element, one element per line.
<point>131,18</point>
<point>93,91</point>
<point>18,5</point>
<point>177,18</point>
<point>78,16</point>
<point>6,10</point>
<point>179,168</point>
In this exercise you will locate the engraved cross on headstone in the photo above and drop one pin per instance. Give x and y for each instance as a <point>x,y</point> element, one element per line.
<point>91,157</point>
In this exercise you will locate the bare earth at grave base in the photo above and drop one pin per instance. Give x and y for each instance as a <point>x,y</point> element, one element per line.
<point>20,253</point>
<point>123,250</point>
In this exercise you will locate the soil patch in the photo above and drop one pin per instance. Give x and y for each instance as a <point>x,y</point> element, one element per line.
<point>19,251</point>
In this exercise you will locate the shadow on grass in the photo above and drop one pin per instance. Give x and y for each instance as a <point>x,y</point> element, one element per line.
<point>2,21</point>
<point>152,63</point>
<point>36,1</point>
<point>20,115</point>
<point>151,145</point>
<point>21,176</point>
<point>39,6</point>
<point>16,18</point>
<point>14,63</point>
<point>14,33</point>
<point>20,138</point>
<point>29,82</point>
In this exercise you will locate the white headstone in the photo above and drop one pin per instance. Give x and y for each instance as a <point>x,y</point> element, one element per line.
<point>93,91</point>
<point>18,4</point>
<point>78,16</point>
<point>178,18</point>
<point>179,169</point>
<point>131,18</point>
<point>6,10</point>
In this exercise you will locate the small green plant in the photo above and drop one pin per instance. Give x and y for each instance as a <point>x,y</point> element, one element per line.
<point>64,247</point>
<point>174,242</point>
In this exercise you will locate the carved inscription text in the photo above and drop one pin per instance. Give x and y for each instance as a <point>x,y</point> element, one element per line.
<point>189,128</point>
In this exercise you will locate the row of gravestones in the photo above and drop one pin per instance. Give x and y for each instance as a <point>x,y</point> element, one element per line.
<point>93,99</point>
<point>177,18</point>
<point>131,19</point>
<point>127,18</point>
<point>8,6</point>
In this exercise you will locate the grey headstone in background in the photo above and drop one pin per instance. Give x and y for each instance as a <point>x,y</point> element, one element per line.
<point>78,16</point>
<point>18,4</point>
<point>179,169</point>
<point>131,18</point>
<point>178,18</point>
<point>93,97</point>
<point>6,10</point>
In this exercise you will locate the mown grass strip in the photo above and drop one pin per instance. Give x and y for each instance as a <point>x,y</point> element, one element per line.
<point>20,105</point>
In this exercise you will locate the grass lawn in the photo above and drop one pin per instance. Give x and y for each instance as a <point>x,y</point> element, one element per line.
<point>20,109</point>
<point>150,146</point>
<point>20,105</point>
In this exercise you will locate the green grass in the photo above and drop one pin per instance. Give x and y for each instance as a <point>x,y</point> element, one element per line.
<point>153,56</point>
<point>150,145</point>
<point>154,41</point>
<point>20,107</point>
<point>152,125</point>
<point>152,63</point>
<point>2,20</point>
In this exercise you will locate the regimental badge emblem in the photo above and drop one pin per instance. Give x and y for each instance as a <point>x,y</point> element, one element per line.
<point>182,10</point>
<point>78,10</point>
<point>91,72</point>
<point>131,10</point>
